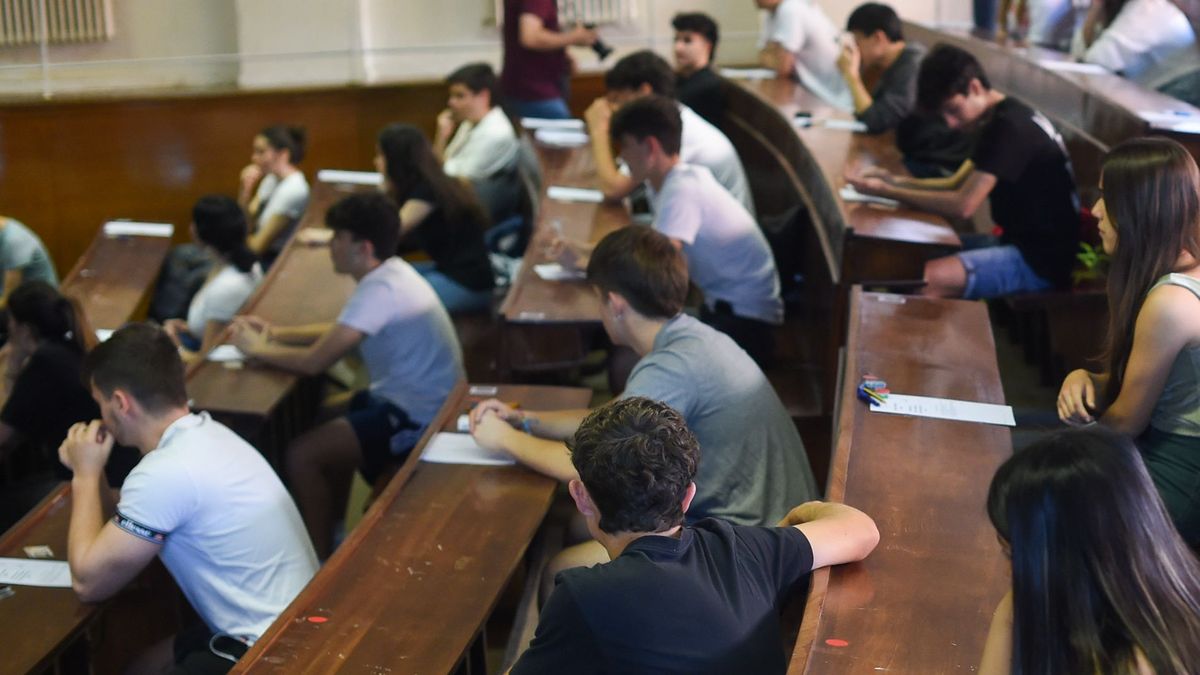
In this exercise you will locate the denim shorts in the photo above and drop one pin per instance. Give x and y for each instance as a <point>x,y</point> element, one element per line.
<point>385,433</point>
<point>995,271</point>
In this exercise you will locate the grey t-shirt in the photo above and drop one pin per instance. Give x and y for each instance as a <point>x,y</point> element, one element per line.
<point>753,467</point>
<point>727,254</point>
<point>20,249</point>
<point>411,349</point>
<point>895,95</point>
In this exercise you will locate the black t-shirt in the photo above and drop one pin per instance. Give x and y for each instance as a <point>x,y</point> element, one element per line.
<point>48,397</point>
<point>705,603</point>
<point>895,95</point>
<point>457,248</point>
<point>703,92</point>
<point>1034,200</point>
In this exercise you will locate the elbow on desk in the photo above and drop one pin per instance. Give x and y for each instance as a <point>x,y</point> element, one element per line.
<point>867,538</point>
<point>89,592</point>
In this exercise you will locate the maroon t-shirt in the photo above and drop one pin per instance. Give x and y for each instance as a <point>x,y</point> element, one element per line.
<point>531,75</point>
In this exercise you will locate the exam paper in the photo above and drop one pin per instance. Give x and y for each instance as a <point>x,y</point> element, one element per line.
<point>47,573</point>
<point>130,228</point>
<point>224,353</point>
<point>572,194</point>
<point>849,194</point>
<point>102,334</point>
<point>451,448</point>
<point>350,177</point>
<point>1073,67</point>
<point>845,125</point>
<point>563,138</point>
<point>573,124</point>
<point>748,73</point>
<point>946,409</point>
<point>556,272</point>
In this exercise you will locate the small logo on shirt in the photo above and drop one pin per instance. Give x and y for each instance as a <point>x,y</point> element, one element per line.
<point>139,530</point>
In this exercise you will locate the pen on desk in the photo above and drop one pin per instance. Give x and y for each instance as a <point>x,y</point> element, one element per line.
<point>6,591</point>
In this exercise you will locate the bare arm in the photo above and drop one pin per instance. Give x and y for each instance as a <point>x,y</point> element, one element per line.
<point>951,182</point>
<point>413,213</point>
<point>778,59</point>
<point>959,202</point>
<point>613,183</point>
<point>849,64</point>
<point>997,651</point>
<point>548,457</point>
<point>534,35</point>
<point>12,279</point>
<point>274,226</point>
<point>311,360</point>
<point>837,533</point>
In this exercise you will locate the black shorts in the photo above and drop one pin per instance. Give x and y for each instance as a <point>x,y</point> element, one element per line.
<point>385,433</point>
<point>199,652</point>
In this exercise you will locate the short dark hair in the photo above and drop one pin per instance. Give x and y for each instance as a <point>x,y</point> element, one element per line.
<point>370,216</point>
<point>701,24</point>
<point>946,71</point>
<point>283,137</point>
<point>638,68</point>
<point>644,267</point>
<point>221,224</point>
<point>475,76</point>
<point>637,458</point>
<point>650,116</point>
<point>872,16</point>
<point>142,360</point>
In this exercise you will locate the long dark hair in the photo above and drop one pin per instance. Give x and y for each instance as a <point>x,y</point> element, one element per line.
<point>51,316</point>
<point>1099,573</point>
<point>409,161</point>
<point>221,224</point>
<point>1152,198</point>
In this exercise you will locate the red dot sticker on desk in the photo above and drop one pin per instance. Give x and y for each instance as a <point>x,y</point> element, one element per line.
<point>318,619</point>
<point>834,642</point>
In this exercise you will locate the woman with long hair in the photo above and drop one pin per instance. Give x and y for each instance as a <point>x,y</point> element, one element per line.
<point>218,225</point>
<point>1101,581</point>
<point>440,215</point>
<point>1149,217</point>
<point>273,191</point>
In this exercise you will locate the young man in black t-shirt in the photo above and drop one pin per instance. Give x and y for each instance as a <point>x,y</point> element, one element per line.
<point>879,45</point>
<point>1019,161</point>
<point>675,599</point>
<point>697,85</point>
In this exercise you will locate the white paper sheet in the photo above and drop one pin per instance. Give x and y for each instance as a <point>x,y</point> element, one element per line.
<point>573,124</point>
<point>563,138</point>
<point>748,73</point>
<point>1168,117</point>
<point>350,177</point>
<point>224,353</point>
<point>849,194</point>
<point>1073,67</point>
<point>845,125</point>
<point>450,448</point>
<point>946,409</point>
<point>47,573</point>
<point>573,194</point>
<point>102,334</point>
<point>556,272</point>
<point>130,228</point>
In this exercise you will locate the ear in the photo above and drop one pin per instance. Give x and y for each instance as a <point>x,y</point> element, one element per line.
<point>975,87</point>
<point>583,500</point>
<point>617,303</point>
<point>654,147</point>
<point>644,89</point>
<point>689,496</point>
<point>122,402</point>
<point>367,248</point>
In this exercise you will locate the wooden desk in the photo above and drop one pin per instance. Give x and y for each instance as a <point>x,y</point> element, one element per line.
<point>413,584</point>
<point>922,602</point>
<point>114,277</point>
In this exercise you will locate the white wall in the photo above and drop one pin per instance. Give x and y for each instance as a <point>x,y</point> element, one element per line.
<point>288,43</point>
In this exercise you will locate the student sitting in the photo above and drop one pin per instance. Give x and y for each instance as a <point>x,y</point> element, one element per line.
<point>202,499</point>
<point>474,140</point>
<point>441,216</point>
<point>406,339</point>
<point>799,41</point>
<point>1094,557</point>
<point>219,225</point>
<point>1150,224</point>
<point>277,204</point>
<point>695,48</point>
<point>642,74</point>
<point>879,46</point>
<point>754,465</point>
<point>23,257</point>
<point>1019,162</point>
<point>702,597</point>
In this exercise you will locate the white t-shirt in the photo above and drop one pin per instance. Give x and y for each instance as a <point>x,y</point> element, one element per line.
<point>411,350</point>
<point>703,144</point>
<point>728,257</point>
<point>1150,42</point>
<point>800,27</point>
<point>287,197</point>
<point>482,150</point>
<point>220,298</point>
<point>230,533</point>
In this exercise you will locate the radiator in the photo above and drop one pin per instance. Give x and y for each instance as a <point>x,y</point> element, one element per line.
<point>597,12</point>
<point>67,21</point>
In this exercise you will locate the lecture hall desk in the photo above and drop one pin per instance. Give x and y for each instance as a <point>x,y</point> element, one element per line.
<point>410,589</point>
<point>922,602</point>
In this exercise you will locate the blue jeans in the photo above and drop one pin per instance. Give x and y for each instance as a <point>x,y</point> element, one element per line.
<point>550,109</point>
<point>456,298</point>
<point>998,270</point>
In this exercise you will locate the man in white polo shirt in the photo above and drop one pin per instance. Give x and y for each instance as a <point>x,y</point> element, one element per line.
<point>798,40</point>
<point>201,498</point>
<point>475,139</point>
